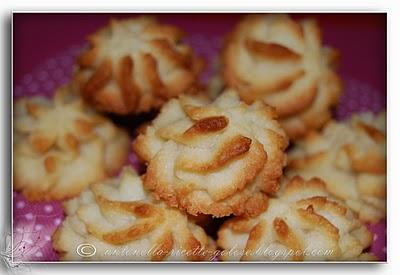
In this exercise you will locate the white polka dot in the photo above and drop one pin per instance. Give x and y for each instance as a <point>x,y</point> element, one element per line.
<point>27,79</point>
<point>375,237</point>
<point>19,230</point>
<point>57,221</point>
<point>28,241</point>
<point>38,227</point>
<point>33,87</point>
<point>58,73</point>
<point>20,204</point>
<point>38,254</point>
<point>48,208</point>
<point>29,216</point>
<point>384,249</point>
<point>43,75</point>
<point>47,238</point>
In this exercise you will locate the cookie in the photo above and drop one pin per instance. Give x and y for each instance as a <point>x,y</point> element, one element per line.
<point>303,223</point>
<point>218,158</point>
<point>60,146</point>
<point>135,65</point>
<point>118,220</point>
<point>350,156</point>
<point>281,62</point>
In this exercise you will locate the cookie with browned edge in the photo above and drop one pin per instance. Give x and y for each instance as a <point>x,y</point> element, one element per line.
<point>280,61</point>
<point>350,156</point>
<point>135,65</point>
<point>303,223</point>
<point>61,145</point>
<point>219,158</point>
<point>118,220</point>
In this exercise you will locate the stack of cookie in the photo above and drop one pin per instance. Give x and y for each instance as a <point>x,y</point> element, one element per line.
<point>225,157</point>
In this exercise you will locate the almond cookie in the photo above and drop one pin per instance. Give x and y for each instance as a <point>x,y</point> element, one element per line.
<point>303,223</point>
<point>350,156</point>
<point>61,146</point>
<point>281,62</point>
<point>216,158</point>
<point>135,65</point>
<point>118,220</point>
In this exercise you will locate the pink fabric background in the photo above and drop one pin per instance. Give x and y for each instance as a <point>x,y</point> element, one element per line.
<point>45,46</point>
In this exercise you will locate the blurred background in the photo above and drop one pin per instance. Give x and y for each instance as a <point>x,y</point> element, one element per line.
<point>360,37</point>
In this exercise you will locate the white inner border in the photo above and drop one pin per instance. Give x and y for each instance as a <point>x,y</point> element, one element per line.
<point>248,6</point>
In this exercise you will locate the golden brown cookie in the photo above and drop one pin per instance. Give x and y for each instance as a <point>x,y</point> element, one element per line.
<point>281,62</point>
<point>61,146</point>
<point>135,65</point>
<point>118,220</point>
<point>216,158</point>
<point>303,223</point>
<point>350,156</point>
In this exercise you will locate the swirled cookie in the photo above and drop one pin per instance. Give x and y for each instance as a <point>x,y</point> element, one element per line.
<point>280,61</point>
<point>135,65</point>
<point>350,157</point>
<point>303,223</point>
<point>118,220</point>
<point>61,146</point>
<point>216,158</point>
